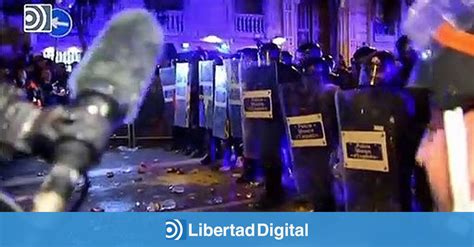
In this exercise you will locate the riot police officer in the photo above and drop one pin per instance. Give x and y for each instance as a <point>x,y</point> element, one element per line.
<point>195,147</point>
<point>270,53</point>
<point>380,69</point>
<point>306,51</point>
<point>251,166</point>
<point>318,70</point>
<point>313,163</point>
<point>271,156</point>
<point>406,56</point>
<point>358,59</point>
<point>336,75</point>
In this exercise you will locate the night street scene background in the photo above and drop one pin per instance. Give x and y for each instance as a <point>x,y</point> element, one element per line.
<point>254,105</point>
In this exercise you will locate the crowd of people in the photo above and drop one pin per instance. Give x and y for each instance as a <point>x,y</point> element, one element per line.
<point>43,81</point>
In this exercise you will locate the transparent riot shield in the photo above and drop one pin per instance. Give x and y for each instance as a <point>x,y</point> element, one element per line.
<point>311,127</point>
<point>182,96</point>
<point>206,93</point>
<point>235,102</point>
<point>378,148</point>
<point>220,117</point>
<point>168,85</point>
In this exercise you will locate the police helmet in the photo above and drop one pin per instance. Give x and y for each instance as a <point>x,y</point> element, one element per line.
<point>380,69</point>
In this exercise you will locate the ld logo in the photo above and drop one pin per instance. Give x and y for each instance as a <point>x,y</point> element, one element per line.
<point>43,18</point>
<point>175,229</point>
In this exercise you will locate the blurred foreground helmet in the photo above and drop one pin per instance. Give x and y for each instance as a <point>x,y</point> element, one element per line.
<point>443,30</point>
<point>269,52</point>
<point>427,16</point>
<point>380,69</point>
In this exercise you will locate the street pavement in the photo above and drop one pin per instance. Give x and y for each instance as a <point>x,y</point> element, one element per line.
<point>139,180</point>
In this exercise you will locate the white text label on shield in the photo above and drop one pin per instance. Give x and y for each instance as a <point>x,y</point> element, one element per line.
<point>365,150</point>
<point>307,131</point>
<point>257,104</point>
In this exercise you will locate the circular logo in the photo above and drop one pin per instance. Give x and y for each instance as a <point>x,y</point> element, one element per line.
<point>174,229</point>
<point>61,23</point>
<point>36,18</point>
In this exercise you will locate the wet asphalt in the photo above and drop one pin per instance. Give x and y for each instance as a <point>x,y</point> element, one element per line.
<point>141,180</point>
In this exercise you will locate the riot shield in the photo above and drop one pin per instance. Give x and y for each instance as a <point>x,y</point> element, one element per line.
<point>168,85</point>
<point>206,93</point>
<point>376,131</point>
<point>311,127</point>
<point>263,125</point>
<point>235,103</point>
<point>182,95</point>
<point>261,120</point>
<point>150,125</point>
<point>220,117</point>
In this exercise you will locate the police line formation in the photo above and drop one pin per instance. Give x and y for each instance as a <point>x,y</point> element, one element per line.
<point>351,136</point>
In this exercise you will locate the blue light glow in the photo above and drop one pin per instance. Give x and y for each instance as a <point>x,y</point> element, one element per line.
<point>185,45</point>
<point>426,54</point>
<point>224,48</point>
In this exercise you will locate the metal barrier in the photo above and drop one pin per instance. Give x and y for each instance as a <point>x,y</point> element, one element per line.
<point>124,133</point>
<point>136,138</point>
<point>128,133</point>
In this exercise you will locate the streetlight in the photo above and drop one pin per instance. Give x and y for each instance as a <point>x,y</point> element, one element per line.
<point>185,45</point>
<point>212,39</point>
<point>279,41</point>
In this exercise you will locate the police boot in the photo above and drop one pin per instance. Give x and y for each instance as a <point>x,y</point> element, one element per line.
<point>174,146</point>
<point>249,173</point>
<point>175,143</point>
<point>301,204</point>
<point>274,194</point>
<point>324,204</point>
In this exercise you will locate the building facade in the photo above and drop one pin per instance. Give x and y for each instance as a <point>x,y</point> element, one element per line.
<point>370,22</point>
<point>186,23</point>
<point>340,26</point>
